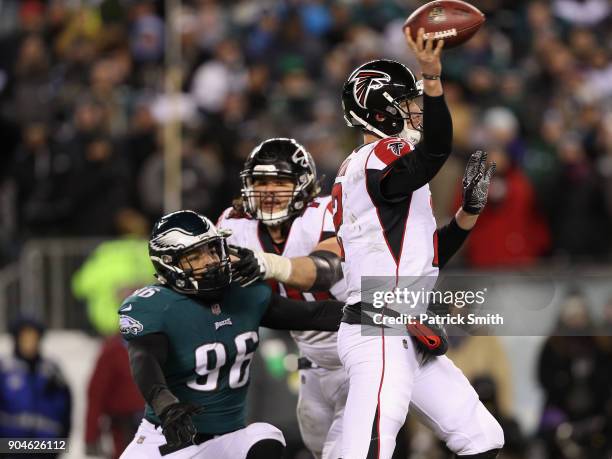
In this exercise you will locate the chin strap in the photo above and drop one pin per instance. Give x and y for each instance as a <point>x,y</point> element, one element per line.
<point>411,135</point>
<point>368,126</point>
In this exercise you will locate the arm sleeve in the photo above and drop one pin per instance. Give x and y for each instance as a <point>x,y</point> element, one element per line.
<point>328,270</point>
<point>450,239</point>
<point>147,355</point>
<point>413,170</point>
<point>286,314</point>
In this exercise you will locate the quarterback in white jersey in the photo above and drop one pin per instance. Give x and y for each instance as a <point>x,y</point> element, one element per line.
<point>280,218</point>
<point>385,225</point>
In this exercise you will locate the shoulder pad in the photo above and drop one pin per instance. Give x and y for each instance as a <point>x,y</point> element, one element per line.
<point>150,295</point>
<point>390,149</point>
<point>234,213</point>
<point>231,213</point>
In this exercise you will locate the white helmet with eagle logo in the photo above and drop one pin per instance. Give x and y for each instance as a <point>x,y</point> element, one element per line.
<point>372,100</point>
<point>181,235</point>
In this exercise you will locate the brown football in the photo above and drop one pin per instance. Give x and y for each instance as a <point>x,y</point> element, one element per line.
<point>454,21</point>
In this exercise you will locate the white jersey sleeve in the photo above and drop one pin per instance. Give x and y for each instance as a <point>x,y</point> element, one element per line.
<point>242,227</point>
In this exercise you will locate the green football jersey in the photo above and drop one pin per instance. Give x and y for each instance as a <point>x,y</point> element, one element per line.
<point>210,347</point>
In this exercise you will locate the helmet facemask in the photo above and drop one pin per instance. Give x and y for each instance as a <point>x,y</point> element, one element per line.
<point>273,207</point>
<point>409,108</point>
<point>412,112</point>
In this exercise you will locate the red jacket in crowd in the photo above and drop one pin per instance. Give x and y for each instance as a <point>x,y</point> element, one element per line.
<point>113,398</point>
<point>510,232</point>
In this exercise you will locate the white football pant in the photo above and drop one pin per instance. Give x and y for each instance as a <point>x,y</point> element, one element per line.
<point>233,445</point>
<point>320,410</point>
<point>385,379</point>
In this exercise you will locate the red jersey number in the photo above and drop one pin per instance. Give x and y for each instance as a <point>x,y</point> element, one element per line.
<point>336,195</point>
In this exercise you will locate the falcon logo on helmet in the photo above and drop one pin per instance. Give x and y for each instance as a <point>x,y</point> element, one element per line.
<point>366,80</point>
<point>380,97</point>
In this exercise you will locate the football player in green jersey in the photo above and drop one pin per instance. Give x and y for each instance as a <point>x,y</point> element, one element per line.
<point>191,338</point>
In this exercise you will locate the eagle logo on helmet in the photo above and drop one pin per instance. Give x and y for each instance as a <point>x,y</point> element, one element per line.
<point>365,80</point>
<point>174,238</point>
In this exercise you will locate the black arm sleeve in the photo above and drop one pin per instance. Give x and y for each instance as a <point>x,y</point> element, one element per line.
<point>417,168</point>
<point>450,239</point>
<point>286,314</point>
<point>147,355</point>
<point>329,270</point>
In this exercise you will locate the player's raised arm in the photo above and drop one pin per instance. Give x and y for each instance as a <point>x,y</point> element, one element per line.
<point>416,168</point>
<point>315,272</point>
<point>286,314</point>
<point>422,156</point>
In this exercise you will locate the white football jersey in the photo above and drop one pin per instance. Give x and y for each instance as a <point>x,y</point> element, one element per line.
<point>382,237</point>
<point>305,234</point>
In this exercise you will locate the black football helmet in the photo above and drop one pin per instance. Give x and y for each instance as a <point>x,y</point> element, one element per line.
<point>284,158</point>
<point>178,244</point>
<point>372,100</point>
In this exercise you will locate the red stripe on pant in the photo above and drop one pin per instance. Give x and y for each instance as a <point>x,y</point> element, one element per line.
<point>382,378</point>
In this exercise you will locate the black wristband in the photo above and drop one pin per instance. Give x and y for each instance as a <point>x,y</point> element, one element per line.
<point>161,398</point>
<point>329,270</point>
<point>427,76</point>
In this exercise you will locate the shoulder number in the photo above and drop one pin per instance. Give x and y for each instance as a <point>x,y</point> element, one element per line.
<point>146,292</point>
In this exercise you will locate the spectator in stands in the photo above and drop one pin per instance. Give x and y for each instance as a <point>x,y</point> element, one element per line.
<point>114,267</point>
<point>502,129</point>
<point>35,401</point>
<point>202,175</point>
<point>261,69</point>
<point>606,322</point>
<point>582,12</point>
<point>114,404</point>
<point>580,218</point>
<point>218,77</point>
<point>32,92</point>
<point>99,189</point>
<point>573,372</point>
<point>41,174</point>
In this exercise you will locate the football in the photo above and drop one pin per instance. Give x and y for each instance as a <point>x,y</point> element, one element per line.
<point>453,21</point>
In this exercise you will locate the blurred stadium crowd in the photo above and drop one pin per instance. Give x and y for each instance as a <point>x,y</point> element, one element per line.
<point>82,91</point>
<point>82,107</point>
